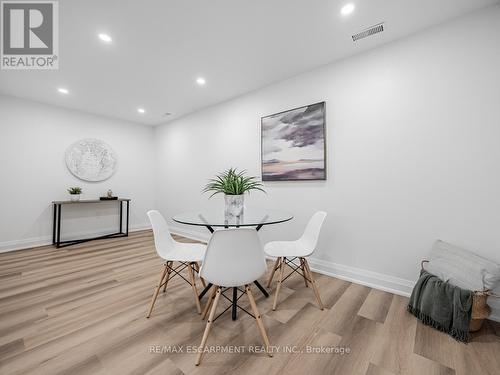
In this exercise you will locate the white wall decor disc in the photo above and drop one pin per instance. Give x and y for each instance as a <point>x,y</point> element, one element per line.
<point>91,160</point>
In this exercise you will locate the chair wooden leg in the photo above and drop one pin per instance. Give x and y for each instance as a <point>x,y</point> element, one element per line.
<point>258,319</point>
<point>209,325</point>
<point>280,280</point>
<point>193,286</point>
<point>275,267</point>
<point>198,271</point>
<point>303,271</point>
<point>157,290</point>
<point>209,303</point>
<point>169,271</point>
<point>313,283</point>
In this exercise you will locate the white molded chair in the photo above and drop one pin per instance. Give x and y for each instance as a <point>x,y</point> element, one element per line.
<point>234,257</point>
<point>287,251</point>
<point>187,254</point>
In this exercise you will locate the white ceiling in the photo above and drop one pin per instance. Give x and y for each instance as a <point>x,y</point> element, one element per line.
<point>160,47</point>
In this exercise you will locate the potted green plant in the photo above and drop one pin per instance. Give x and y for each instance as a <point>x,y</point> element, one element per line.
<point>74,193</point>
<point>233,185</point>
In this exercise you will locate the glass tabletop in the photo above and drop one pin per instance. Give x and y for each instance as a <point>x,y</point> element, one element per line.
<point>217,218</point>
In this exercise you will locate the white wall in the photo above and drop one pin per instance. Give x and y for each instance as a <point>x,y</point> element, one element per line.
<point>33,140</point>
<point>413,133</point>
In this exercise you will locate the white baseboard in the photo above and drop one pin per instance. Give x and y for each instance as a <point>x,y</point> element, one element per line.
<point>372,279</point>
<point>27,243</point>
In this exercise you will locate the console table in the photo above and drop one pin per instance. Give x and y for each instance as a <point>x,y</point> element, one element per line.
<point>56,231</point>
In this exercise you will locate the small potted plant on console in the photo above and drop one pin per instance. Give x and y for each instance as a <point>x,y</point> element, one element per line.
<point>74,193</point>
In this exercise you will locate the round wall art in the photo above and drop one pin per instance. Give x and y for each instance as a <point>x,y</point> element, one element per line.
<point>91,160</point>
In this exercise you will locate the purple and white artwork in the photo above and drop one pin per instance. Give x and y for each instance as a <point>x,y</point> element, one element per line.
<point>293,144</point>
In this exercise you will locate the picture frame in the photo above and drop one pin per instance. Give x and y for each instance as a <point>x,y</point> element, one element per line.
<point>293,144</point>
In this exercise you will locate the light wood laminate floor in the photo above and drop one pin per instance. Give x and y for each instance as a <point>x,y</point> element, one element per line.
<point>81,310</point>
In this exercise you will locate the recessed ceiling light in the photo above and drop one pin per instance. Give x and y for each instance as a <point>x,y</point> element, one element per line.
<point>347,9</point>
<point>105,38</point>
<point>141,110</point>
<point>62,90</point>
<point>200,81</point>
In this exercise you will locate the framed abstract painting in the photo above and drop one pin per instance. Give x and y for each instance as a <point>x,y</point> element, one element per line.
<point>293,144</point>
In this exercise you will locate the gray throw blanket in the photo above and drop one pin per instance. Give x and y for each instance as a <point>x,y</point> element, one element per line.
<point>442,306</point>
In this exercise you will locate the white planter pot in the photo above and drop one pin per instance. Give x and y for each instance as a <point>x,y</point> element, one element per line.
<point>74,197</point>
<point>234,205</point>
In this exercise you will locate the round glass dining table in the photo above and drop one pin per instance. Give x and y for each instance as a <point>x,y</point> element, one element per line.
<point>250,217</point>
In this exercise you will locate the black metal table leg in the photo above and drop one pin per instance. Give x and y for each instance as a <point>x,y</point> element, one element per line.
<point>128,215</point>
<point>121,217</point>
<point>58,237</point>
<point>264,292</point>
<point>235,303</point>
<point>209,285</point>
<point>261,288</point>
<point>204,291</point>
<point>54,221</point>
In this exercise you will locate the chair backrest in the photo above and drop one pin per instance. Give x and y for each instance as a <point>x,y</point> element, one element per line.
<point>310,237</point>
<point>164,242</point>
<point>234,257</point>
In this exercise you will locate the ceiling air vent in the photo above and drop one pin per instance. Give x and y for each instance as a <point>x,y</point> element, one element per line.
<point>375,29</point>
